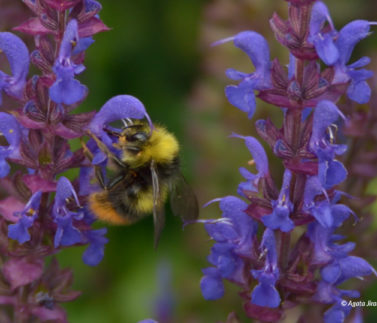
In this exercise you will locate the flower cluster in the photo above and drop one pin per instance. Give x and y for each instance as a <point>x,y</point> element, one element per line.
<point>41,210</point>
<point>274,271</point>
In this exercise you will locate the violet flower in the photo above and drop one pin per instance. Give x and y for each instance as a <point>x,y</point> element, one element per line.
<point>66,88</point>
<point>309,269</point>
<point>18,57</point>
<point>335,48</point>
<point>11,130</point>
<point>281,208</point>
<point>233,235</point>
<point>19,230</point>
<point>259,159</point>
<point>242,95</point>
<point>66,233</point>
<point>265,294</point>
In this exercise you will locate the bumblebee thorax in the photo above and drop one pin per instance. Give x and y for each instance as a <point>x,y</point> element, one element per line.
<point>161,146</point>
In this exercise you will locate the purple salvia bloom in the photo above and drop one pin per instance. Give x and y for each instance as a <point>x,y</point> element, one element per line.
<point>235,226</point>
<point>344,268</point>
<point>66,88</point>
<point>335,48</point>
<point>330,171</point>
<point>18,58</point>
<point>349,36</point>
<point>358,90</point>
<point>19,231</point>
<point>94,253</point>
<point>279,218</point>
<point>147,321</point>
<point>117,108</point>
<point>242,95</point>
<point>66,233</point>
<point>234,233</point>
<point>261,164</point>
<point>265,293</point>
<point>323,42</point>
<point>11,130</point>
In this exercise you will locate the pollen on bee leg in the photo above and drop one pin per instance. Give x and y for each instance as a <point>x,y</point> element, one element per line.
<point>251,162</point>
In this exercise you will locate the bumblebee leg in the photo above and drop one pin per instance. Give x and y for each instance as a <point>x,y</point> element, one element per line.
<point>97,169</point>
<point>115,181</point>
<point>106,150</point>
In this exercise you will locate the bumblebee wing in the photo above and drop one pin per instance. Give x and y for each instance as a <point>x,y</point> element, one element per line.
<point>183,200</point>
<point>158,210</point>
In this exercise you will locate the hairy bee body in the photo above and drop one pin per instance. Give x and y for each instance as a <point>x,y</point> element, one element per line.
<point>147,171</point>
<point>132,198</point>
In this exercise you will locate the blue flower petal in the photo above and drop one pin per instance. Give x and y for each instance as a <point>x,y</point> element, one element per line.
<point>326,49</point>
<point>117,108</point>
<point>265,295</point>
<point>337,314</point>
<point>359,92</point>
<point>258,153</point>
<point>336,173</point>
<point>95,251</point>
<point>212,287</point>
<point>256,47</point>
<point>66,234</point>
<point>18,58</point>
<point>349,36</point>
<point>242,97</point>
<point>67,91</point>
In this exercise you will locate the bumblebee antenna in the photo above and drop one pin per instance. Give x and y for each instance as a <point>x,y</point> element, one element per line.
<point>125,124</point>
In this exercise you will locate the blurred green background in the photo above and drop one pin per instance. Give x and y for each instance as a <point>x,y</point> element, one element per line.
<point>159,51</point>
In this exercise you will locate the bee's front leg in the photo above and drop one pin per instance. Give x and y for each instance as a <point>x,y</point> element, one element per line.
<point>105,150</point>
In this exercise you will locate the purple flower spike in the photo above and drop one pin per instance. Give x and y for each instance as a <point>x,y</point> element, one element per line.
<point>261,164</point>
<point>265,293</point>
<point>323,42</point>
<point>11,130</point>
<point>19,231</point>
<point>95,252</point>
<point>66,234</point>
<point>117,108</point>
<point>242,96</point>
<point>18,58</point>
<point>279,218</point>
<point>66,88</point>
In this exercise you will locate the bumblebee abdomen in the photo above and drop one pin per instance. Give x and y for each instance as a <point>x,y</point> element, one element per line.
<point>143,201</point>
<point>104,210</point>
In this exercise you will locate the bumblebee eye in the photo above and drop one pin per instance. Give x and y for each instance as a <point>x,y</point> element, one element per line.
<point>139,136</point>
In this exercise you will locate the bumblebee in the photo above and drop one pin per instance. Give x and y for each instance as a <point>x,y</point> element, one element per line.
<point>146,171</point>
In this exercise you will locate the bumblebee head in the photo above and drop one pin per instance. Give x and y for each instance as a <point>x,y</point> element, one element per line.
<point>139,144</point>
<point>132,142</point>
